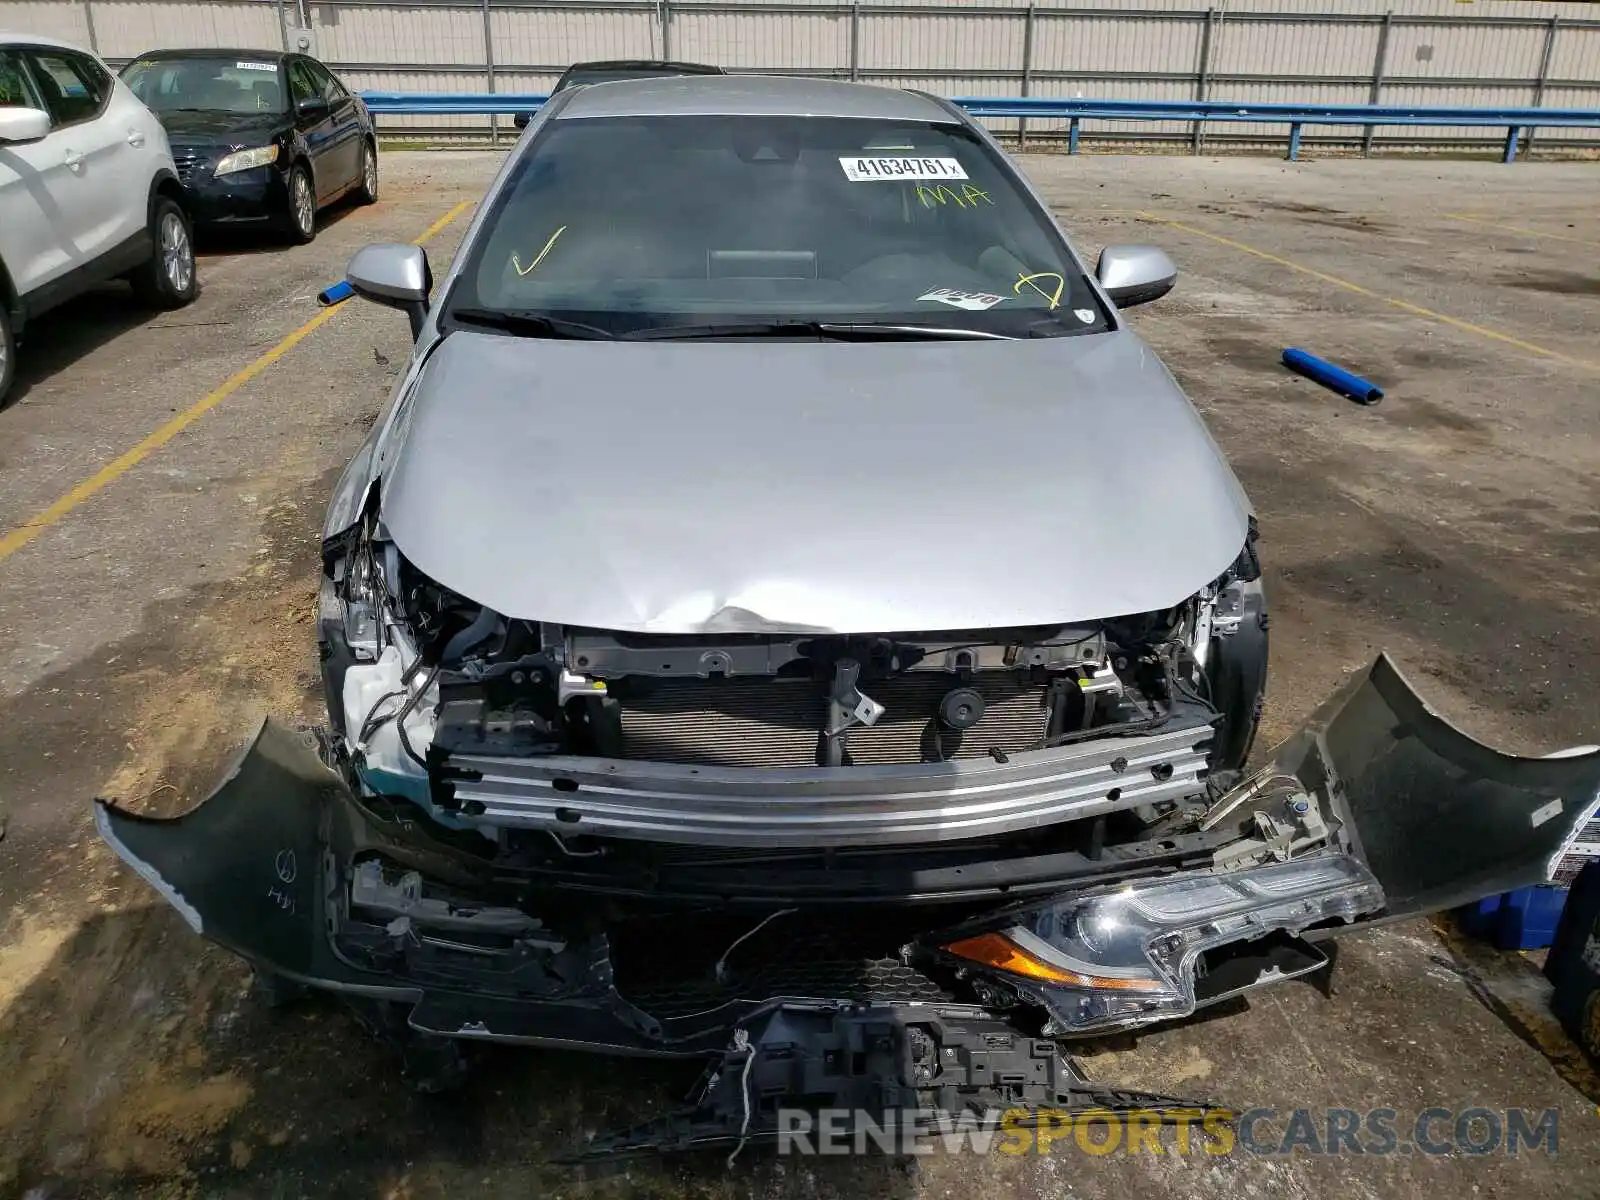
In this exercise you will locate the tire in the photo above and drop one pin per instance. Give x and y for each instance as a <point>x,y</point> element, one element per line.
<point>432,1064</point>
<point>8,352</point>
<point>168,279</point>
<point>367,186</point>
<point>302,215</point>
<point>274,990</point>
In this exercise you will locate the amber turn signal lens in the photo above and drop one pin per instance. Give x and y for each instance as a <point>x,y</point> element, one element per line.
<point>1000,952</point>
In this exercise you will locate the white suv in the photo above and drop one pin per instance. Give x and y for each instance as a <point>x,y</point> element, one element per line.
<point>87,189</point>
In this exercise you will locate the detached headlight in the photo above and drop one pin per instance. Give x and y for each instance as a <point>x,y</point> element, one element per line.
<point>1129,956</point>
<point>245,160</point>
<point>363,603</point>
<point>351,601</point>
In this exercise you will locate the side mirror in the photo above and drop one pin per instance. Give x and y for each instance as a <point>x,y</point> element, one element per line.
<point>312,108</point>
<point>1135,274</point>
<point>395,274</point>
<point>521,119</point>
<point>23,124</point>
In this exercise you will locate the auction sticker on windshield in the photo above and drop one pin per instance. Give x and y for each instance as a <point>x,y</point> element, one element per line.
<point>253,66</point>
<point>873,170</point>
<point>974,301</point>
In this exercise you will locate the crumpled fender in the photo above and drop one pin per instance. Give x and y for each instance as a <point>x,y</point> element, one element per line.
<point>259,868</point>
<point>246,867</point>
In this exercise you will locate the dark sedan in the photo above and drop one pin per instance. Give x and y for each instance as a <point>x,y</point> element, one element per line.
<point>259,137</point>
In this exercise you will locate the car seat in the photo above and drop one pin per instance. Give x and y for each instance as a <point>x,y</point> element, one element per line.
<point>268,97</point>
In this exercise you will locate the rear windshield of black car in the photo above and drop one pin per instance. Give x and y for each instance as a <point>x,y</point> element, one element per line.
<point>613,74</point>
<point>207,84</point>
<point>629,223</point>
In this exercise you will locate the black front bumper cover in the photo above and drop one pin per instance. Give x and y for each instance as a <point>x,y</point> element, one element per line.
<point>265,867</point>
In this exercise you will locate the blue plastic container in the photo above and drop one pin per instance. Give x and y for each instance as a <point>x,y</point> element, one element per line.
<point>1525,919</point>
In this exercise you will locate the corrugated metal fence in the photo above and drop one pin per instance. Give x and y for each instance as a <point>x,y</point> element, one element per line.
<point>1426,52</point>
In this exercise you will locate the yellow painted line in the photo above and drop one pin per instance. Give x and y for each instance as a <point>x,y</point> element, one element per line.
<point>442,222</point>
<point>1535,233</point>
<point>1403,305</point>
<point>19,537</point>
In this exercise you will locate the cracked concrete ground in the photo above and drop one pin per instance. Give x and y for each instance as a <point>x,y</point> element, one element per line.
<point>1457,524</point>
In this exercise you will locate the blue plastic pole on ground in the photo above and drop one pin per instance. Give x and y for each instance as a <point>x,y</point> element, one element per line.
<point>1329,376</point>
<point>335,294</point>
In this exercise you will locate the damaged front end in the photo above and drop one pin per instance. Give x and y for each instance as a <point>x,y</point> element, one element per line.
<point>789,842</point>
<point>1378,809</point>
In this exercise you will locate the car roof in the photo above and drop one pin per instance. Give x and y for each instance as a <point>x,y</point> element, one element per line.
<point>208,52</point>
<point>10,37</point>
<point>645,64</point>
<point>750,95</point>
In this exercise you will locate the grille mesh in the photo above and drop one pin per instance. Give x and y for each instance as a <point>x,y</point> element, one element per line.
<point>776,723</point>
<point>185,162</point>
<point>668,966</point>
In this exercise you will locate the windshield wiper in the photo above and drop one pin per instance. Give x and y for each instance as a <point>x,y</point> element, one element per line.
<point>529,324</point>
<point>855,332</point>
<point>869,332</point>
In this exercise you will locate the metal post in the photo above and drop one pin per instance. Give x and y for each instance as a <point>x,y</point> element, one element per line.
<point>1538,87</point>
<point>88,20</point>
<point>1511,145</point>
<point>855,40</point>
<point>1072,135</point>
<point>1294,142</point>
<point>283,25</point>
<point>666,29</point>
<point>1027,71</point>
<point>488,71</point>
<point>1202,78</point>
<point>1380,64</point>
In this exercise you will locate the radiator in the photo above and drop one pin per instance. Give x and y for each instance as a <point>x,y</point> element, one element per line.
<point>777,723</point>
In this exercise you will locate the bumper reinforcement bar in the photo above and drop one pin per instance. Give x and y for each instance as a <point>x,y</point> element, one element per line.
<point>828,806</point>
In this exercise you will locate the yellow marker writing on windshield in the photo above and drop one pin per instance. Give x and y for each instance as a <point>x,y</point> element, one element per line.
<point>1033,282</point>
<point>967,197</point>
<point>516,263</point>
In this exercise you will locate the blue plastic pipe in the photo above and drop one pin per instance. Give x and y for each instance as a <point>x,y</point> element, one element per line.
<point>1329,376</point>
<point>335,294</point>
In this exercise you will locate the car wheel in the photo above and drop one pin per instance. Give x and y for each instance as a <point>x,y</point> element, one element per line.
<point>276,991</point>
<point>302,206</point>
<point>168,279</point>
<point>367,188</point>
<point>8,352</point>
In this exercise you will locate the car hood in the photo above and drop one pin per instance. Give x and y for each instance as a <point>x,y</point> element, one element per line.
<point>219,130</point>
<point>759,486</point>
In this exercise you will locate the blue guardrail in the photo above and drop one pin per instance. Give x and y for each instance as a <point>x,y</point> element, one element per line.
<point>1515,121</point>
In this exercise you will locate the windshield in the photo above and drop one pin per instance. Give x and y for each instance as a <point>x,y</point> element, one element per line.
<point>207,84</point>
<point>627,224</point>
